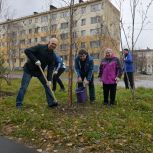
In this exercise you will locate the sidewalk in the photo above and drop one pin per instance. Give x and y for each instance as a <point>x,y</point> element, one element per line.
<point>8,146</point>
<point>140,80</point>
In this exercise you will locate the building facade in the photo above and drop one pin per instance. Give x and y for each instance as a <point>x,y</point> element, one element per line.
<point>143,61</point>
<point>95,27</point>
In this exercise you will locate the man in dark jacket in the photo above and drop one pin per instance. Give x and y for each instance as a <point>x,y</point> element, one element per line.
<point>59,69</point>
<point>84,69</point>
<point>128,69</point>
<point>44,56</point>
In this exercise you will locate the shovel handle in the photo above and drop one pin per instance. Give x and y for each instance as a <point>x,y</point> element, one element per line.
<point>47,82</point>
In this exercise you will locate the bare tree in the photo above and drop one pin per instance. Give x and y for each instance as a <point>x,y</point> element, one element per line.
<point>136,7</point>
<point>70,75</point>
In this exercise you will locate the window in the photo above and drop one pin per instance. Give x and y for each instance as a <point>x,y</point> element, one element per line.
<point>37,29</point>
<point>95,44</point>
<point>83,10</point>
<point>53,36</point>
<point>44,29</point>
<point>30,31</point>
<point>14,60</point>
<point>83,22</point>
<point>23,32</point>
<point>74,46</point>
<point>64,25</point>
<point>14,34</point>
<point>65,57</point>
<point>75,23</point>
<point>74,34</point>
<point>95,31</point>
<point>54,27</point>
<point>53,16</point>
<point>44,18</point>
<point>95,7</point>
<point>29,41</point>
<point>64,36</point>
<point>43,39</point>
<point>36,39</point>
<point>65,14</point>
<point>22,42</point>
<point>30,21</point>
<point>36,20</point>
<point>83,45</point>
<point>83,32</point>
<point>95,55</point>
<point>63,47</point>
<point>95,19</point>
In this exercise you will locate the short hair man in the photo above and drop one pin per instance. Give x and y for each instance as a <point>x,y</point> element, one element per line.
<point>84,69</point>
<point>40,55</point>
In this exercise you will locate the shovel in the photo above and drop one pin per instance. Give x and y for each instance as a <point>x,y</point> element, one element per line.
<point>47,83</point>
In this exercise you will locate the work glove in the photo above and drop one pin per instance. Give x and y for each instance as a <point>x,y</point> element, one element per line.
<point>79,80</point>
<point>38,63</point>
<point>86,82</point>
<point>49,83</point>
<point>55,72</point>
<point>117,79</point>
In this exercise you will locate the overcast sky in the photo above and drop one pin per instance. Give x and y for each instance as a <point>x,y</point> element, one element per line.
<point>19,8</point>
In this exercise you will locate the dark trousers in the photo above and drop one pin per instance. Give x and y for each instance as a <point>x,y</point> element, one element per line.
<point>109,90</point>
<point>24,85</point>
<point>91,87</point>
<point>56,79</point>
<point>128,80</point>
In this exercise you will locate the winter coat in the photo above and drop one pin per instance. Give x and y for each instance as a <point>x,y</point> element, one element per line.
<point>89,66</point>
<point>46,57</point>
<point>109,69</point>
<point>128,63</point>
<point>59,64</point>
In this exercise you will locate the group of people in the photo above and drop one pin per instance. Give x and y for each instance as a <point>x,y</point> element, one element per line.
<point>45,56</point>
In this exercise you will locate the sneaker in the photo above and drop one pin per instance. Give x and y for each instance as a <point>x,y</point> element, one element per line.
<point>54,104</point>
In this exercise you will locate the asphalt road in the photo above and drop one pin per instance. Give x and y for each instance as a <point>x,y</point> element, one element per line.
<point>8,146</point>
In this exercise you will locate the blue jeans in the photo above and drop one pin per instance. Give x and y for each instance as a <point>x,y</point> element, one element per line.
<point>24,84</point>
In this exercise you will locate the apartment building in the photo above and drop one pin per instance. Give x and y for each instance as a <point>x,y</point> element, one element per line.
<point>143,60</point>
<point>95,27</point>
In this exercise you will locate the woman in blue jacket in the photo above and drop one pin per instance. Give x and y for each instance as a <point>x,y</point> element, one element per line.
<point>128,69</point>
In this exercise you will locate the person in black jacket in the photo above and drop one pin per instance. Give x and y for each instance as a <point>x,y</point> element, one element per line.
<point>40,55</point>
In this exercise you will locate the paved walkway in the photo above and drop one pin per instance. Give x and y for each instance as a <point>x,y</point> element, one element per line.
<point>8,146</point>
<point>140,81</point>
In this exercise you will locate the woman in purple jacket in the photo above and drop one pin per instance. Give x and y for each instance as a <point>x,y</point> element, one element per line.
<point>109,73</point>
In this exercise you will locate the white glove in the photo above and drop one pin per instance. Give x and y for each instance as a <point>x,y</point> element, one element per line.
<point>38,63</point>
<point>79,80</point>
<point>55,72</point>
<point>49,82</point>
<point>117,79</point>
<point>86,82</point>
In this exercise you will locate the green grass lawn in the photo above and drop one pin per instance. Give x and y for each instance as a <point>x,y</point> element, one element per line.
<point>126,127</point>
